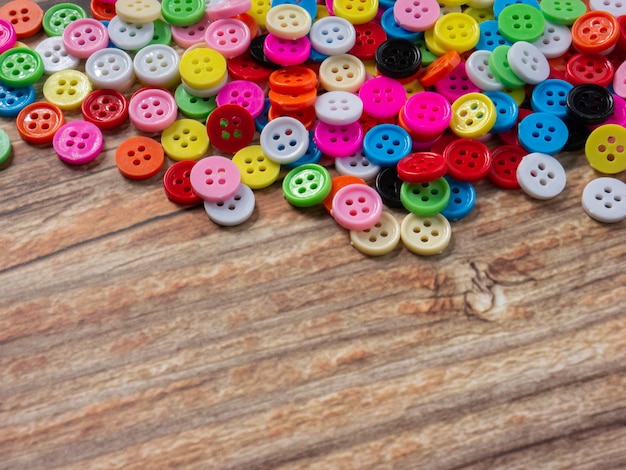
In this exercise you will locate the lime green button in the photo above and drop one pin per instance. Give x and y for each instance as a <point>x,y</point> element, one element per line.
<point>425,199</point>
<point>20,67</point>
<point>306,185</point>
<point>427,56</point>
<point>5,147</point>
<point>58,16</point>
<point>521,22</point>
<point>182,12</point>
<point>499,65</point>
<point>562,11</point>
<point>162,34</point>
<point>192,106</point>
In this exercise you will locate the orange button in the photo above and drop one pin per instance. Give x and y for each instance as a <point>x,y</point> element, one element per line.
<point>292,102</point>
<point>38,122</point>
<point>25,16</point>
<point>440,68</point>
<point>595,32</point>
<point>293,80</point>
<point>139,158</point>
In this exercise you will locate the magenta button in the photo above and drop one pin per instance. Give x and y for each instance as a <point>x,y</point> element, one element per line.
<point>286,52</point>
<point>382,97</point>
<point>8,37</point>
<point>246,94</point>
<point>78,142</point>
<point>427,114</point>
<point>338,141</point>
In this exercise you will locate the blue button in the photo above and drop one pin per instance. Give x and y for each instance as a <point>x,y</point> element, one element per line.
<point>309,5</point>
<point>386,4</point>
<point>542,132</point>
<point>262,119</point>
<point>490,36</point>
<point>312,155</point>
<point>506,109</point>
<point>386,144</point>
<point>13,100</point>
<point>394,30</point>
<point>462,199</point>
<point>316,56</point>
<point>550,97</point>
<point>500,5</point>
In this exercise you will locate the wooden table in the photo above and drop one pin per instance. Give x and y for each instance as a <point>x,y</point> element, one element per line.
<point>137,334</point>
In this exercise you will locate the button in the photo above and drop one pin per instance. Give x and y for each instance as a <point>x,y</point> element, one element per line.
<point>157,65</point>
<point>107,109</point>
<point>382,97</point>
<point>440,68</point>
<point>473,115</point>
<point>78,142</point>
<point>456,84</point>
<point>152,109</point>
<point>605,149</point>
<point>342,73</point>
<point>528,63</point>
<point>590,104</point>
<point>229,36</point>
<point>425,199</point>
<point>551,97</point>
<point>84,37</point>
<point>425,235</point>
<point>110,68</point>
<point>490,36</point>
<point>230,127</point>
<point>368,37</point>
<point>24,15</point>
<point>38,122</point>
<point>595,32</point>
<point>288,21</point>
<point>247,95</point>
<point>416,15</point>
<point>398,58</point>
<point>614,7</point>
<point>139,158</point>
<point>355,12</point>
<point>177,184</point>
<point>542,132</point>
<point>541,176</point>
<point>504,162</point>
<point>578,134</point>
<point>192,106</point>
<point>58,16</point>
<point>54,56</point>
<point>386,144</point>
<point>67,89</point>
<point>501,69</point>
<point>309,5</point>
<point>520,22</point>
<point>562,13</point>
<point>218,9</point>
<point>185,139</point>
<point>306,185</point>
<point>338,141</point>
<point>337,183</point>
<point>333,35</point>
<point>380,239</point>
<point>284,139</point>
<point>457,31</point>
<point>190,35</point>
<point>257,51</point>
<point>243,67</point>
<point>8,37</point>
<point>129,36</point>
<point>20,67</point>
<point>467,159</point>
<point>257,170</point>
<point>202,68</point>
<point>293,80</point>
<point>305,115</point>
<point>102,11</point>
<point>589,68</point>
<point>462,199</point>
<point>215,178</point>
<point>555,40</point>
<point>338,108</point>
<point>421,167</point>
<point>138,11</point>
<point>182,12</point>
<point>162,34</point>
<point>388,185</point>
<point>5,148</point>
<point>604,199</point>
<point>357,207</point>
<point>13,100</point>
<point>357,165</point>
<point>427,114</point>
<point>312,154</point>
<point>506,109</point>
<point>286,52</point>
<point>235,210</point>
<point>619,79</point>
<point>619,113</point>
<point>393,30</point>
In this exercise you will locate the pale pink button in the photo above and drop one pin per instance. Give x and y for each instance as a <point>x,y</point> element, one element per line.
<point>187,36</point>
<point>78,142</point>
<point>456,84</point>
<point>244,93</point>
<point>382,97</point>
<point>217,9</point>
<point>338,141</point>
<point>416,15</point>
<point>152,109</point>
<point>215,178</point>
<point>286,52</point>
<point>427,114</point>
<point>357,207</point>
<point>8,37</point>
<point>229,36</point>
<point>85,36</point>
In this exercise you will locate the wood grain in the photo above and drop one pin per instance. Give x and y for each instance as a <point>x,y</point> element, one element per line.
<point>137,334</point>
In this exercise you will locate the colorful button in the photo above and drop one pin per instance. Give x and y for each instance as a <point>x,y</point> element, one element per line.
<point>185,139</point>
<point>357,207</point>
<point>153,110</point>
<point>306,185</point>
<point>506,109</point>
<point>333,35</point>
<point>38,122</point>
<point>467,159</point>
<point>342,73</point>
<point>368,37</point>
<point>234,210</point>
<point>590,104</point>
<point>102,11</point>
<point>13,100</point>
<point>425,236</point>
<point>356,12</point>
<point>589,68</point>
<point>129,36</point>
<point>421,167</point>
<point>388,184</point>
<point>425,199</point>
<point>218,9</point>
<point>284,139</point>
<point>243,67</point>
<point>440,68</point>
<point>312,155</point>
<point>338,141</point>
<point>24,15</point>
<point>541,176</point>
<point>215,178</point>
<point>138,11</point>
<point>78,142</point>
<point>5,148</point>
<point>604,200</point>
<point>177,184</point>
<point>382,97</point>
<point>473,115</point>
<point>243,93</point>
<point>230,127</point>
<point>257,170</point>
<point>398,58</point>
<point>562,12</point>
<point>490,36</point>
<point>110,68</point>
<point>54,56</point>
<point>416,15</point>
<point>288,21</point>
<point>83,37</point>
<point>520,22</point>
<point>393,29</point>
<point>203,68</point>
<point>357,165</point>
<point>338,108</point>
<point>107,109</point>
<point>337,183</point>
<point>528,63</point>
<point>229,36</point>
<point>427,114</point>
<point>462,200</point>
<point>206,92</point>
<point>456,84</point>
<point>605,149</point>
<point>457,31</point>
<point>157,65</point>
<point>286,52</point>
<point>139,158</point>
<point>386,144</point>
<point>551,97</point>
<point>58,16</point>
<point>542,132</point>
<point>190,35</point>
<point>192,106</point>
<point>67,89</point>
<point>182,12</point>
<point>380,239</point>
<point>501,69</point>
<point>504,162</point>
<point>595,32</point>
<point>20,67</point>
<point>555,40</point>
<point>8,37</point>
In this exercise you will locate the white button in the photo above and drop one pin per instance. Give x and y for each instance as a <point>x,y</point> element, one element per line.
<point>284,140</point>
<point>358,165</point>
<point>288,21</point>
<point>616,8</point>
<point>54,56</point>
<point>129,36</point>
<point>332,35</point>
<point>233,211</point>
<point>205,92</point>
<point>528,63</point>
<point>541,176</point>
<point>425,235</point>
<point>554,41</point>
<point>604,199</point>
<point>378,240</point>
<point>338,108</point>
<point>110,68</point>
<point>157,65</point>
<point>479,73</point>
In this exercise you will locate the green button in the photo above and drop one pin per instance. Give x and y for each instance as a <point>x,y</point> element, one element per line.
<point>20,67</point>
<point>57,17</point>
<point>5,147</point>
<point>192,106</point>
<point>521,22</point>
<point>306,185</point>
<point>427,56</point>
<point>162,34</point>
<point>562,11</point>
<point>499,65</point>
<point>425,199</point>
<point>183,12</point>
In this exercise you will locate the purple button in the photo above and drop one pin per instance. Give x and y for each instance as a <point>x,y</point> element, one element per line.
<point>78,142</point>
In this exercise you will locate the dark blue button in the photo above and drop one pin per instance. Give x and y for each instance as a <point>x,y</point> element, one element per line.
<point>462,199</point>
<point>490,36</point>
<point>394,30</point>
<point>506,109</point>
<point>542,132</point>
<point>386,144</point>
<point>13,100</point>
<point>550,96</point>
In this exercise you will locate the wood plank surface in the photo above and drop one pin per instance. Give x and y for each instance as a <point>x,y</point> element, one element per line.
<point>136,334</point>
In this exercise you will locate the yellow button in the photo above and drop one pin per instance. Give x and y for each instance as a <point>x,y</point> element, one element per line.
<point>473,115</point>
<point>425,235</point>
<point>288,21</point>
<point>259,10</point>
<point>518,94</point>
<point>342,72</point>
<point>356,11</point>
<point>412,88</point>
<point>202,68</point>
<point>480,14</point>
<point>322,12</point>
<point>453,3</point>
<point>67,89</point>
<point>138,11</point>
<point>432,44</point>
<point>186,139</point>
<point>605,149</point>
<point>257,171</point>
<point>457,31</point>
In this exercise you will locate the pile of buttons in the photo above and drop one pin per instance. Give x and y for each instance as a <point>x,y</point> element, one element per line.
<point>411,102</point>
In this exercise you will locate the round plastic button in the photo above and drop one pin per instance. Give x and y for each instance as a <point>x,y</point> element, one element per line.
<point>202,68</point>
<point>337,183</point>
<point>102,11</point>
<point>85,36</point>
<point>541,176</point>
<point>555,40</point>
<point>110,68</point>
<point>54,56</point>
<point>560,12</point>
<point>386,144</point>
<point>129,36</point>
<point>357,207</point>
<point>230,36</point>
<point>234,210</point>
<point>230,128</point>
<point>507,111</point>
<point>190,35</point>
<point>356,12</point>
<point>58,16</point>
<point>138,11</point>
<point>501,69</point>
<point>5,148</point>
<point>604,199</point>
<point>157,65</point>
<point>24,15</point>
<point>504,162</point>
<point>338,141</point>
<point>398,58</point>
<point>217,9</point>
<point>139,158</point>
<point>78,142</point>
<point>614,7</point>
<point>473,115</point>
<point>551,97</point>
<point>490,36</point>
<point>380,239</point>
<point>183,12</point>
<point>416,15</point>
<point>257,170</point>
<point>589,68</point>
<point>605,149</point>
<point>368,37</point>
<point>421,167</point>
<point>247,95</point>
<point>8,37</point>
<point>107,109</point>
<point>177,184</point>
<point>382,97</point>
<point>38,122</point>
<point>13,100</point>
<point>284,139</point>
<point>185,139</point>
<point>215,178</point>
<point>306,185</point>
<point>288,21</point>
<point>388,185</point>
<point>467,159</point>
<point>286,52</point>
<point>457,31</point>
<point>595,32</point>
<point>67,89</point>
<point>293,80</point>
<point>456,84</point>
<point>192,106</point>
<point>342,73</point>
<point>338,108</point>
<point>20,67</point>
<point>357,165</point>
<point>590,104</point>
<point>427,114</point>
<point>333,35</point>
<point>520,22</point>
<point>528,62</point>
<point>425,198</point>
<point>243,67</point>
<point>425,235</point>
<point>462,200</point>
<point>152,110</point>
<point>440,68</point>
<point>542,132</point>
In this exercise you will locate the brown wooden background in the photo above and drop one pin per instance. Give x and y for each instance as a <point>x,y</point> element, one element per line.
<point>135,334</point>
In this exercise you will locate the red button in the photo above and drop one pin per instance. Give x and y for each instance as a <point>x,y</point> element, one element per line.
<point>510,137</point>
<point>177,184</point>
<point>504,162</point>
<point>467,159</point>
<point>367,122</point>
<point>368,37</point>
<point>244,67</point>
<point>442,142</point>
<point>230,128</point>
<point>38,122</point>
<point>102,11</point>
<point>107,109</point>
<point>421,167</point>
<point>589,68</point>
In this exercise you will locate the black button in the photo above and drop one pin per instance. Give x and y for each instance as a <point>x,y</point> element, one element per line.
<point>258,54</point>
<point>398,58</point>
<point>577,136</point>
<point>590,104</point>
<point>388,185</point>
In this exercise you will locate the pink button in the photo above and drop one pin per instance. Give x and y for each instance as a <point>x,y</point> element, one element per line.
<point>619,80</point>
<point>187,36</point>
<point>78,142</point>
<point>382,97</point>
<point>357,207</point>
<point>246,94</point>
<point>85,36</point>
<point>7,35</point>
<point>456,84</point>
<point>229,36</point>
<point>217,9</point>
<point>215,178</point>
<point>427,114</point>
<point>286,52</point>
<point>338,141</point>
<point>152,109</point>
<point>416,15</point>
